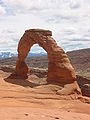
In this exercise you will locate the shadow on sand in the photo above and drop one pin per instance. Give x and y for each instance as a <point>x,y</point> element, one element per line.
<point>7,69</point>
<point>17,80</point>
<point>14,79</point>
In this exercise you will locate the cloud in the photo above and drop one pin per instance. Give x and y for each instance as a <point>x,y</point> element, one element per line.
<point>69,21</point>
<point>74,4</point>
<point>34,5</point>
<point>8,40</point>
<point>2,11</point>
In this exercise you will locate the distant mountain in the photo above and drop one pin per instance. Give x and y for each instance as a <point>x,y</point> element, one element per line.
<point>37,54</point>
<point>80,59</point>
<point>4,55</point>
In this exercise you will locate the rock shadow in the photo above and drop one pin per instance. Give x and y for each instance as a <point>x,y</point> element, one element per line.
<point>14,79</point>
<point>7,69</point>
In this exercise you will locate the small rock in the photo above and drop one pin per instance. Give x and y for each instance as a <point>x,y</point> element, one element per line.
<point>56,117</point>
<point>26,114</point>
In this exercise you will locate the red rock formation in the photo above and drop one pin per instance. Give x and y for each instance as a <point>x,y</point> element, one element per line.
<point>59,67</point>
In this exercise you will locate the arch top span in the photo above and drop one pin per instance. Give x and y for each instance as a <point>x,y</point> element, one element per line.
<point>41,31</point>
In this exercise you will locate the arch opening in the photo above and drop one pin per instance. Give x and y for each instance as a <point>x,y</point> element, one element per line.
<point>37,50</point>
<point>37,61</point>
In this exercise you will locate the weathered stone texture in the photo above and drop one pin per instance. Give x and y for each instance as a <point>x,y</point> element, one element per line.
<point>59,67</point>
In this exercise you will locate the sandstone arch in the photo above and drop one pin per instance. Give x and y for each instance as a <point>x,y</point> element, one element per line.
<point>59,67</point>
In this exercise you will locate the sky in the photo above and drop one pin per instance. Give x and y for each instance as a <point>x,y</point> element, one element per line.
<point>69,21</point>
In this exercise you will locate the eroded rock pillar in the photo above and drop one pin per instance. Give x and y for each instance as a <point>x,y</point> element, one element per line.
<point>59,66</point>
<point>23,50</point>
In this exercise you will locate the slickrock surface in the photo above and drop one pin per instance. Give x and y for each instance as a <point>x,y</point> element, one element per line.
<point>34,99</point>
<point>39,114</point>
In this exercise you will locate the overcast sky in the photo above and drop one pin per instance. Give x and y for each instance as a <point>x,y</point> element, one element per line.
<point>69,21</point>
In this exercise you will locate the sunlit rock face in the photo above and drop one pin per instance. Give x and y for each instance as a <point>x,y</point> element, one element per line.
<point>59,67</point>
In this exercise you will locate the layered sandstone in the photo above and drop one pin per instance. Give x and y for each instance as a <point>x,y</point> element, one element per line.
<point>59,67</point>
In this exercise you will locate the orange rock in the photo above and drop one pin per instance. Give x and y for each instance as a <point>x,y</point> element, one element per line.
<point>59,67</point>
<point>21,69</point>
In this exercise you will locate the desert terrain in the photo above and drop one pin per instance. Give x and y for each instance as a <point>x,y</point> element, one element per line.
<point>35,99</point>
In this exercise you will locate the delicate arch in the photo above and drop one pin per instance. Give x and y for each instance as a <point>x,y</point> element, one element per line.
<point>59,67</point>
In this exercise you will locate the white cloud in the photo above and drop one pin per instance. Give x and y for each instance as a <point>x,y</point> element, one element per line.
<point>2,10</point>
<point>32,5</point>
<point>68,19</point>
<point>8,40</point>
